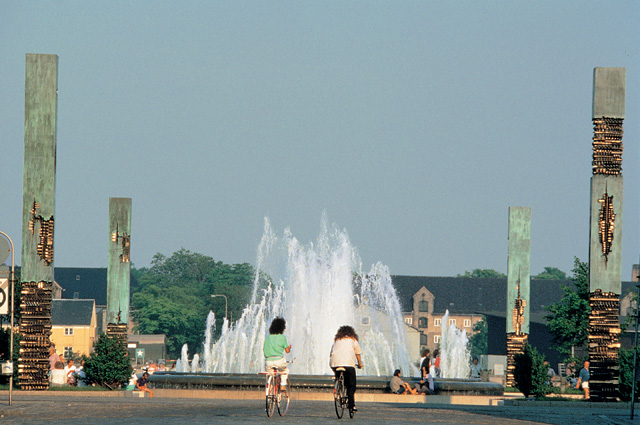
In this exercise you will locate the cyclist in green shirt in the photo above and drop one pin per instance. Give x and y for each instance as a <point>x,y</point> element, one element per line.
<point>274,345</point>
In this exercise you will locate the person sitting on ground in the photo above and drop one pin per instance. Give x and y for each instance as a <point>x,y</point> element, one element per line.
<point>141,384</point>
<point>570,372</point>
<point>57,377</point>
<point>70,370</point>
<point>551,374</point>
<point>80,376</point>
<point>475,368</point>
<point>398,386</point>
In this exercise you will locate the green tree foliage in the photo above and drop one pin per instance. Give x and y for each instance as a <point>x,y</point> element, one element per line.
<point>569,318</point>
<point>625,360</point>
<point>551,273</point>
<point>483,273</point>
<point>109,364</point>
<point>531,373</point>
<point>5,339</point>
<point>479,341</point>
<point>173,296</point>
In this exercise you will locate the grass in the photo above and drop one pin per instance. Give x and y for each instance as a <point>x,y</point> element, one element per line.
<point>555,390</point>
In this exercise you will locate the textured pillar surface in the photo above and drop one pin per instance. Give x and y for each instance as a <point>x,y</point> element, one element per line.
<point>40,116</point>
<point>518,264</point>
<point>605,236</point>
<point>518,285</point>
<point>119,266</point>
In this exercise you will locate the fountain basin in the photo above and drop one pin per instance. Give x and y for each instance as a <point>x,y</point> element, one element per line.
<point>309,383</point>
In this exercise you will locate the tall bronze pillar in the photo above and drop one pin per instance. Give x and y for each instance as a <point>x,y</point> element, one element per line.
<point>605,247</point>
<point>518,285</point>
<point>39,182</point>
<point>119,267</point>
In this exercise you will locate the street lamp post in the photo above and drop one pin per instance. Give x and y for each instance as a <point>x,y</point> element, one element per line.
<point>12,291</point>
<point>225,302</point>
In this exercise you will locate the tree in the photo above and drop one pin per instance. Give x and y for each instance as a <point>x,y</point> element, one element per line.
<point>109,364</point>
<point>551,273</point>
<point>5,344</point>
<point>569,318</point>
<point>625,360</point>
<point>483,273</point>
<point>530,373</point>
<point>173,296</point>
<point>479,340</point>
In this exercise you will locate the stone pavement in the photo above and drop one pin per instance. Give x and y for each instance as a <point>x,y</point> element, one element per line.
<point>96,408</point>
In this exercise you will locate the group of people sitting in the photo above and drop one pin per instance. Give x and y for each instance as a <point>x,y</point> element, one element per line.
<point>61,374</point>
<point>429,368</point>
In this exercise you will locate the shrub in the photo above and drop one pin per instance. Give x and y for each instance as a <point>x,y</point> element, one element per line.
<point>625,360</point>
<point>530,373</point>
<point>109,365</point>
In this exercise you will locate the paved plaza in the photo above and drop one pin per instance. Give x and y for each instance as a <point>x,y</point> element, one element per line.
<point>78,408</point>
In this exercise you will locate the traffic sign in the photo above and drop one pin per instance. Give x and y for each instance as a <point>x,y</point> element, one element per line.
<point>4,299</point>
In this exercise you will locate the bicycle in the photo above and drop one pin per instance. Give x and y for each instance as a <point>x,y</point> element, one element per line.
<point>274,396</point>
<point>340,398</point>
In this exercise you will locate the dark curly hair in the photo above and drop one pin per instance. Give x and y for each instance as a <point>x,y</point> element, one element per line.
<point>278,325</point>
<point>346,332</point>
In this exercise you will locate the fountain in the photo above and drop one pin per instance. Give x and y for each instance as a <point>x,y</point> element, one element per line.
<point>455,355</point>
<point>317,288</point>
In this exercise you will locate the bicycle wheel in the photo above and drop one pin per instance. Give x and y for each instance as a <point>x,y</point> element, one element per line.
<point>339,395</point>
<point>285,399</point>
<point>271,396</point>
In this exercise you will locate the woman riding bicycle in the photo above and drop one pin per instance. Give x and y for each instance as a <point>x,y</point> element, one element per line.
<point>346,353</point>
<point>274,345</point>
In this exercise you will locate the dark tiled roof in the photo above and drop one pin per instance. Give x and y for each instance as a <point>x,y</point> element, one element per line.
<point>88,283</point>
<point>474,295</point>
<point>462,295</point>
<point>71,312</point>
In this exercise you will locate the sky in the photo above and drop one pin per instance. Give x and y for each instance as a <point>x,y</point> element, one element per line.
<point>414,124</point>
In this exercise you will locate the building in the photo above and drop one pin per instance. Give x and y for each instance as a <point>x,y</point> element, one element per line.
<point>73,326</point>
<point>424,301</point>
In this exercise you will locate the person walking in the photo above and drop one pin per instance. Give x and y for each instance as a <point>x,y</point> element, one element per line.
<point>346,353</point>
<point>583,379</point>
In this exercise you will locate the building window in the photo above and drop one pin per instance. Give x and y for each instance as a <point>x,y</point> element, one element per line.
<point>452,322</point>
<point>68,353</point>
<point>423,339</point>
<point>423,306</point>
<point>436,338</point>
<point>68,331</point>
<point>365,320</point>
<point>423,322</point>
<point>408,320</point>
<point>436,322</point>
<point>467,323</point>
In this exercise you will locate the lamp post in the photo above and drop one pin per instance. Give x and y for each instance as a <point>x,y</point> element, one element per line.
<point>12,292</point>
<point>225,302</point>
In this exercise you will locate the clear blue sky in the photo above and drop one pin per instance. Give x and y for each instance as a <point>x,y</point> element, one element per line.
<point>414,124</point>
